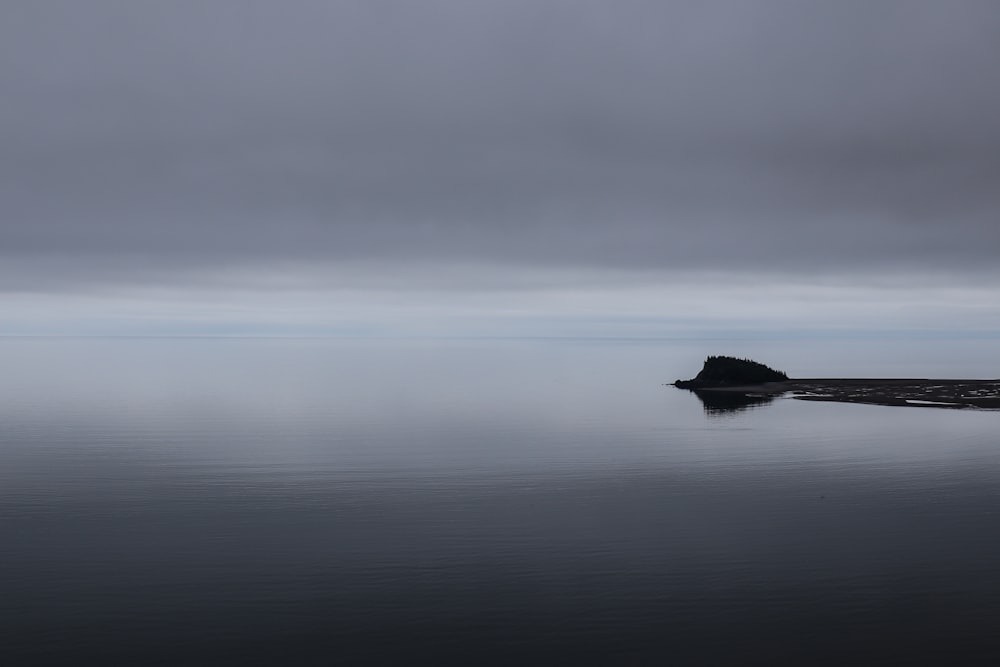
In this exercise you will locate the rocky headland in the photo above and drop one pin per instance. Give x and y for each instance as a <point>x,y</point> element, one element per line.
<point>729,375</point>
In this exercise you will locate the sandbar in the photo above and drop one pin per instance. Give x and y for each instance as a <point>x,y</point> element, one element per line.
<point>903,392</point>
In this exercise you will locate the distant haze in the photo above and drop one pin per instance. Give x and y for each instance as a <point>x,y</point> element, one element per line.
<point>242,166</point>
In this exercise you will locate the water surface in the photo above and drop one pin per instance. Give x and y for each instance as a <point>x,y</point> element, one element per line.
<point>543,502</point>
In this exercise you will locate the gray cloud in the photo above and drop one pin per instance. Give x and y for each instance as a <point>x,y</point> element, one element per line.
<point>153,138</point>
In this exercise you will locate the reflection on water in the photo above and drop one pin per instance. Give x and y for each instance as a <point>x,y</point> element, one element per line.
<point>309,502</point>
<point>718,403</point>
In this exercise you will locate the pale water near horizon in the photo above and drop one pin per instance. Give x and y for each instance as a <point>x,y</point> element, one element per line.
<point>185,502</point>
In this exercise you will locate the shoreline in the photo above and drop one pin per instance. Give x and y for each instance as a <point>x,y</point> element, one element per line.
<point>902,392</point>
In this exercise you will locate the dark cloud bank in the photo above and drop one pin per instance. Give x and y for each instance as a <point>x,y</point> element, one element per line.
<point>160,138</point>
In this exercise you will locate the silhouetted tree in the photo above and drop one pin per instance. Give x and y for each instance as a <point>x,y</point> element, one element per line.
<point>720,371</point>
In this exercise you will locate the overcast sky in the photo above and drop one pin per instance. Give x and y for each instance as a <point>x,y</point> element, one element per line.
<point>349,166</point>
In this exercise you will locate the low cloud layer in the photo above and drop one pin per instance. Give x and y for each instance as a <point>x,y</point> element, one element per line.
<point>362,142</point>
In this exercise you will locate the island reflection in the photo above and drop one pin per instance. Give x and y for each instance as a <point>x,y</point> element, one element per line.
<point>718,403</point>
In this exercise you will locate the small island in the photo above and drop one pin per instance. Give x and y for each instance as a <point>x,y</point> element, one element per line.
<point>719,372</point>
<point>726,376</point>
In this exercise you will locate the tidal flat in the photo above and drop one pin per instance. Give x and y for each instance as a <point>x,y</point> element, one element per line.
<point>925,393</point>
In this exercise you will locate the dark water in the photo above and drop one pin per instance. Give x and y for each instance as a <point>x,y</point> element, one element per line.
<point>310,502</point>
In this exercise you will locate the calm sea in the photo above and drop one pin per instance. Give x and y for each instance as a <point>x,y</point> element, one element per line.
<point>301,502</point>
